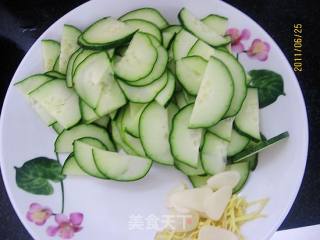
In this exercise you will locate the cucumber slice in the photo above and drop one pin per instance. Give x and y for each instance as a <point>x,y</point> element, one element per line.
<point>199,181</point>
<point>69,74</point>
<point>116,135</point>
<point>55,74</point>
<point>154,122</point>
<point>217,23</point>
<point>247,120</point>
<point>82,149</point>
<point>181,100</point>
<point>87,113</point>
<point>106,33</point>
<point>146,93</point>
<point>189,171</point>
<point>244,171</point>
<point>28,85</point>
<point>91,76</point>
<point>158,69</point>
<point>57,128</point>
<point>50,53</point>
<point>236,70</point>
<point>56,64</point>
<point>69,44</point>
<point>167,92</point>
<point>81,57</point>
<point>121,167</point>
<point>200,29</point>
<point>185,142</point>
<point>148,14</point>
<point>169,33</point>
<point>223,129</point>
<point>111,98</point>
<point>139,59</point>
<point>102,121</point>
<point>190,72</point>
<point>214,154</point>
<point>71,167</point>
<point>182,44</point>
<point>172,111</point>
<point>111,52</point>
<point>189,98</point>
<point>214,96</point>
<point>64,141</point>
<point>238,142</point>
<point>60,102</point>
<point>113,114</point>
<point>131,118</point>
<point>259,147</point>
<point>145,27</point>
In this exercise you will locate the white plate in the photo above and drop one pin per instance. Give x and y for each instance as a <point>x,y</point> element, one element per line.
<point>109,207</point>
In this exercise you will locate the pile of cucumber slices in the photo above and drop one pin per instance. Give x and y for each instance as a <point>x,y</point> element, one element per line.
<point>124,93</point>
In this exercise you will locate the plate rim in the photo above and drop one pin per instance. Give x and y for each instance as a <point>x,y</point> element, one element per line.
<point>305,145</point>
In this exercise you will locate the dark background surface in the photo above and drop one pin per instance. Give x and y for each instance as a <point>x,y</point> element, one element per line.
<point>22,22</point>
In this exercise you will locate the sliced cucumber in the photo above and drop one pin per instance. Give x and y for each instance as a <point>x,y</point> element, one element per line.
<point>116,135</point>
<point>157,71</point>
<point>181,100</point>
<point>81,57</point>
<point>238,142</point>
<point>190,171</point>
<point>185,142</point>
<point>214,154</point>
<point>223,129</point>
<point>82,149</point>
<point>236,70</point>
<point>50,53</point>
<point>190,72</point>
<point>71,167</point>
<point>214,96</point>
<point>55,74</point>
<point>217,23</point>
<point>146,93</point>
<point>111,98</point>
<point>121,167</point>
<point>91,76</point>
<point>154,122</point>
<point>145,27</point>
<point>57,128</point>
<point>189,98</point>
<point>64,141</point>
<point>167,92</point>
<point>88,114</point>
<point>200,29</point>
<point>113,114</point>
<point>69,74</point>
<point>182,44</point>
<point>169,33</point>
<point>131,118</point>
<point>199,181</point>
<point>247,120</point>
<point>59,101</point>
<point>172,111</point>
<point>102,121</point>
<point>244,171</point>
<point>148,14</point>
<point>69,44</point>
<point>32,82</point>
<point>111,52</point>
<point>259,147</point>
<point>139,59</point>
<point>106,33</point>
<point>56,64</point>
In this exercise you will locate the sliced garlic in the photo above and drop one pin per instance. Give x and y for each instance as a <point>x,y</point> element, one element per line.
<point>215,204</point>
<point>227,178</point>
<point>191,199</point>
<point>215,233</point>
<point>182,222</point>
<point>179,188</point>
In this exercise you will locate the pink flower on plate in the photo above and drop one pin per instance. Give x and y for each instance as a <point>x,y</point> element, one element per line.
<point>259,50</point>
<point>237,37</point>
<point>67,226</point>
<point>38,214</point>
